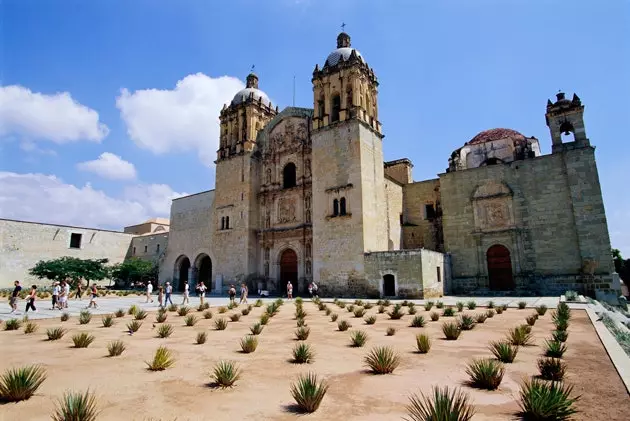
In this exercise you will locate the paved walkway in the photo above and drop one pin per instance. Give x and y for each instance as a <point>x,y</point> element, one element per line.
<point>111,304</point>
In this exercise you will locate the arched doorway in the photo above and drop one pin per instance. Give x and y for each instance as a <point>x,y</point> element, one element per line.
<point>204,270</point>
<point>181,270</point>
<point>499,268</point>
<point>288,270</point>
<point>389,286</point>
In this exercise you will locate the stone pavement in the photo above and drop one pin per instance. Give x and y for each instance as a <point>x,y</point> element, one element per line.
<point>111,304</point>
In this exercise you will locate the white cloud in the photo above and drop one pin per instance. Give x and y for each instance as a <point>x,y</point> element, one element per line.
<point>46,198</point>
<point>183,119</point>
<point>109,166</point>
<point>57,117</point>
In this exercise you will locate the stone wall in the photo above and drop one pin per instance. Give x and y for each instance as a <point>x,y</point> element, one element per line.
<point>394,202</point>
<point>149,246</point>
<point>418,230</point>
<point>23,244</point>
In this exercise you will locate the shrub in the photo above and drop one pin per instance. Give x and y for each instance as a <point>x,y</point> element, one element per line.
<point>256,329</point>
<point>301,333</point>
<point>172,307</point>
<point>232,306</point>
<point>85,317</point>
<point>299,301</point>
<point>300,323</point>
<point>541,310</point>
<point>418,321</point>
<point>200,307</point>
<point>522,305</point>
<point>201,338</point>
<point>65,316</point>
<point>531,320</point>
<point>82,340</point>
<point>571,295</point>
<point>328,311</point>
<point>308,392</point>
<point>560,335</point>
<point>55,333</point>
<point>249,344</point>
<point>381,309</point>
<point>76,406</point>
<point>162,359</point>
<point>220,324</point>
<point>504,307</point>
<point>448,312</point>
<point>191,320</point>
<point>334,317</point>
<point>350,308</point>
<point>485,373</point>
<point>368,306</point>
<point>341,304</point>
<point>499,310</point>
<point>412,310</point>
<point>471,305</point>
<point>303,353</point>
<point>300,313</point>
<point>451,330</point>
<point>226,373</point>
<point>490,304</point>
<point>222,309</point>
<point>161,317</point>
<point>19,384</point>
<point>519,336</point>
<point>504,351</point>
<point>481,318</point>
<point>359,312</point>
<point>396,313</point>
<point>552,369</point>
<point>235,317</point>
<point>370,320</point>
<point>490,314</point>
<point>386,303</point>
<point>141,315</point>
<point>423,343</point>
<point>134,326</point>
<point>444,405</point>
<point>382,360</point>
<point>258,303</point>
<point>115,348</point>
<point>540,400</point>
<point>358,338</point>
<point>466,322</point>
<point>107,320</point>
<point>207,314</point>
<point>119,313</point>
<point>30,327</point>
<point>561,324</point>
<point>555,349</point>
<point>264,319</point>
<point>428,305</point>
<point>133,310</point>
<point>343,325</point>
<point>460,306</point>
<point>435,316</point>
<point>183,311</point>
<point>164,331</point>
<point>391,331</point>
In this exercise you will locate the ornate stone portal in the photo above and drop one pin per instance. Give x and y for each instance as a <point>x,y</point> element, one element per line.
<point>286,210</point>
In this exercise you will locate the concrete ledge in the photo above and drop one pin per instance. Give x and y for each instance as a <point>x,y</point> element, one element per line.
<point>619,358</point>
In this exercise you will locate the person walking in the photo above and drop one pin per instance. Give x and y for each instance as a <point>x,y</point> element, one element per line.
<point>202,292</point>
<point>30,300</point>
<point>186,299</point>
<point>149,292</point>
<point>55,295</point>
<point>289,290</point>
<point>14,296</point>
<point>310,289</point>
<point>94,292</point>
<point>315,289</point>
<point>168,291</point>
<point>161,296</point>
<point>66,293</point>
<point>232,294</point>
<point>78,295</point>
<point>243,294</point>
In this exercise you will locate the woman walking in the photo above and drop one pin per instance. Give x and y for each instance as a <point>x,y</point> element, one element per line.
<point>30,300</point>
<point>289,290</point>
<point>94,297</point>
<point>79,293</point>
<point>186,294</point>
<point>161,296</point>
<point>243,294</point>
<point>202,291</point>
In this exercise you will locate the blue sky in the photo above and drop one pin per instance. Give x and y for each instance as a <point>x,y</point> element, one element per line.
<point>447,70</point>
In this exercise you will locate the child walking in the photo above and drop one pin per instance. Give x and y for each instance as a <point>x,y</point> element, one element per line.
<point>30,300</point>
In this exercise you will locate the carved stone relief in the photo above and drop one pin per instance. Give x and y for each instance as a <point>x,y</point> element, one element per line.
<point>493,213</point>
<point>286,210</point>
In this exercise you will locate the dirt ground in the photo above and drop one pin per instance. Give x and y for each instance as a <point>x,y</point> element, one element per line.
<point>126,390</point>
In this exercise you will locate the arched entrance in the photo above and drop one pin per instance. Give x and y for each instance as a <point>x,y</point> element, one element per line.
<point>499,268</point>
<point>389,286</point>
<point>182,264</point>
<point>289,270</point>
<point>204,270</point>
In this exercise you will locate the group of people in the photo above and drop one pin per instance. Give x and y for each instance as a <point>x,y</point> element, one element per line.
<point>60,296</point>
<point>165,293</point>
<point>312,290</point>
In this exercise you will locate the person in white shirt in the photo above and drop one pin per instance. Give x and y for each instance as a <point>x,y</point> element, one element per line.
<point>202,291</point>
<point>186,294</point>
<point>149,292</point>
<point>168,291</point>
<point>55,296</point>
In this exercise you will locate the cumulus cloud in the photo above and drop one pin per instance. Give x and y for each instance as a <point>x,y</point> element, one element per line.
<point>56,117</point>
<point>46,198</point>
<point>185,118</point>
<point>109,166</point>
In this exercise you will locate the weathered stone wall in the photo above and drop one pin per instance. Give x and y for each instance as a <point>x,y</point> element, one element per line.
<point>434,273</point>
<point>394,203</point>
<point>23,244</point>
<point>399,170</point>
<point>149,246</point>
<point>418,230</point>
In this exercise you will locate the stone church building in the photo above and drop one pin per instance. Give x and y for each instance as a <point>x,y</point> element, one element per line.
<point>304,195</point>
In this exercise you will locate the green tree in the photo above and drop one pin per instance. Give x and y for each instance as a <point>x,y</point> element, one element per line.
<point>617,259</point>
<point>134,270</point>
<point>72,269</point>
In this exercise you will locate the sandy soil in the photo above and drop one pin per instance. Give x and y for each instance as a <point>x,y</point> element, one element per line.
<point>128,391</point>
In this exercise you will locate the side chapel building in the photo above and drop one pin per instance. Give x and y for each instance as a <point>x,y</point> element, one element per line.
<point>304,195</point>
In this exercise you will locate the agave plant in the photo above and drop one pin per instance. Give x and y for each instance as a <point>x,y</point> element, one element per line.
<point>519,336</point>
<point>328,311</point>
<point>226,373</point>
<point>418,321</point>
<point>300,322</point>
<point>481,318</point>
<point>55,333</point>
<point>531,320</point>
<point>85,317</point>
<point>308,392</point>
<point>301,333</point>
<point>133,310</point>
<point>471,305</point>
<point>490,313</point>
<point>343,325</point>
<point>201,338</point>
<point>412,309</point>
<point>435,316</point>
<point>300,313</point>
<point>249,344</point>
<point>540,400</point>
<point>381,309</point>
<point>183,311</point>
<point>19,384</point>
<point>220,324</point>
<point>443,405</point>
<point>258,303</point>
<point>222,310</point>
<point>359,312</point>
<point>460,306</point>
<point>256,329</point>
<point>561,324</point>
<point>235,317</point>
<point>358,338</point>
<point>134,325</point>
<point>423,343</point>
<point>522,305</point>
<point>560,335</point>
<point>264,319</point>
<point>396,313</point>
<point>65,316</point>
<point>555,349</point>
<point>382,360</point>
<point>552,369</point>
<point>76,406</point>
<point>321,306</point>
<point>466,322</point>
<point>485,373</point>
<point>191,320</point>
<point>368,306</point>
<point>391,331</point>
<point>541,310</point>
<point>162,359</point>
<point>504,351</point>
<point>439,305</point>
<point>165,330</point>
<point>120,313</point>
<point>451,330</point>
<point>30,327</point>
<point>303,353</point>
<point>350,308</point>
<point>428,305</point>
<point>107,320</point>
<point>82,340</point>
<point>115,348</point>
<point>141,315</point>
<point>448,312</point>
<point>370,320</point>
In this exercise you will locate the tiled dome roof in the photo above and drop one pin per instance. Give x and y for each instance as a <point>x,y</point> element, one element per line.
<point>495,134</point>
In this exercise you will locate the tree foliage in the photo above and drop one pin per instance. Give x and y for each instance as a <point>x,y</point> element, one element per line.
<point>72,269</point>
<point>134,270</point>
<point>622,267</point>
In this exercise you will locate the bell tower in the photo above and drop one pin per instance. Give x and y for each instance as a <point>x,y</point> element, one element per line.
<point>566,117</point>
<point>349,210</point>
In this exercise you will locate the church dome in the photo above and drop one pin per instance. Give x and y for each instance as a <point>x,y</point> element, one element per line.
<point>252,90</point>
<point>344,51</point>
<point>495,134</point>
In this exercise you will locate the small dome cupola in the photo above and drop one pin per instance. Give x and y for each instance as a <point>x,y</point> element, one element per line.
<point>343,40</point>
<point>343,53</point>
<point>251,92</point>
<point>252,80</point>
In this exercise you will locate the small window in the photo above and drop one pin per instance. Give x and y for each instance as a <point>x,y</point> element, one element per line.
<point>288,176</point>
<point>157,248</point>
<point>146,248</point>
<point>227,222</point>
<point>342,206</point>
<point>335,207</point>
<point>439,274</point>
<point>429,211</point>
<point>75,240</point>
<point>223,222</point>
<point>133,252</point>
<point>336,107</point>
<point>401,219</point>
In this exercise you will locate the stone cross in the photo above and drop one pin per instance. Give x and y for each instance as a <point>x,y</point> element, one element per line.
<point>343,26</point>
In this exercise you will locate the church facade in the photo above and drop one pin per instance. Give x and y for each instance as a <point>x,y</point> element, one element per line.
<point>304,195</point>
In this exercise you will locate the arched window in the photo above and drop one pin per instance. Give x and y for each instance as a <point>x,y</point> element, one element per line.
<point>288,175</point>
<point>335,207</point>
<point>342,206</point>
<point>227,222</point>
<point>320,107</point>
<point>157,248</point>
<point>336,106</point>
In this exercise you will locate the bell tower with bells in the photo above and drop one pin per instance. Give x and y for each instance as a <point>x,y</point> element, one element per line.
<point>566,117</point>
